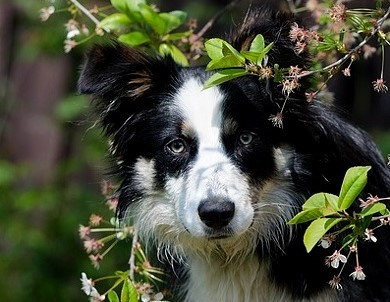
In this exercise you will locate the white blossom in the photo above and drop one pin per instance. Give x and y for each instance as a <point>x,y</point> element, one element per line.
<point>369,235</point>
<point>358,273</point>
<point>88,288</point>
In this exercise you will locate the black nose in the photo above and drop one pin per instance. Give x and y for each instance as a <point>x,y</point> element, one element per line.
<point>216,212</point>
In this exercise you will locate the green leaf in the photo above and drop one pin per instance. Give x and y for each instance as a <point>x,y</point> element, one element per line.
<point>134,5</point>
<point>354,182</point>
<point>316,230</point>
<point>358,22</point>
<point>112,296</point>
<point>134,38</point>
<point>257,44</point>
<point>174,52</point>
<point>214,48</point>
<point>227,61</point>
<point>385,212</point>
<point>318,205</point>
<point>177,36</point>
<point>257,57</point>
<point>224,76</point>
<point>227,49</point>
<point>278,73</point>
<point>306,215</point>
<point>122,274</point>
<point>130,8</point>
<point>173,19</point>
<point>180,15</point>
<point>218,49</point>
<point>120,5</point>
<point>374,208</point>
<point>267,49</point>
<point>129,292</point>
<point>157,23</point>
<point>328,43</point>
<point>115,22</point>
<point>223,55</point>
<point>249,55</point>
<point>331,201</point>
<point>321,200</point>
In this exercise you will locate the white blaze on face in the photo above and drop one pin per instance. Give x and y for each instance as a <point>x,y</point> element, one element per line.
<point>212,173</point>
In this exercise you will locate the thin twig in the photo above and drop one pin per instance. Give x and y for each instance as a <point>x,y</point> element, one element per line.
<point>212,21</point>
<point>85,11</point>
<point>380,217</point>
<point>383,60</point>
<point>352,51</point>
<point>132,254</point>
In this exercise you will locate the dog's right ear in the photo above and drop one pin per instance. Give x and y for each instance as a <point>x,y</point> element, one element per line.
<point>121,81</point>
<point>114,70</point>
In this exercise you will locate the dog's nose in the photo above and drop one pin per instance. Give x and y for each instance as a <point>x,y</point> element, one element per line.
<point>215,212</point>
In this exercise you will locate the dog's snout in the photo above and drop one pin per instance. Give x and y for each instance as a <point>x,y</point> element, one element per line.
<point>216,212</point>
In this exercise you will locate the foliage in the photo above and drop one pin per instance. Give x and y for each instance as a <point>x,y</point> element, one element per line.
<point>230,62</point>
<point>137,282</point>
<point>328,40</point>
<point>140,24</point>
<point>132,22</point>
<point>330,216</point>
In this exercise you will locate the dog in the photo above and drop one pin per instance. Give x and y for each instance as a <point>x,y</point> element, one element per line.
<point>211,182</point>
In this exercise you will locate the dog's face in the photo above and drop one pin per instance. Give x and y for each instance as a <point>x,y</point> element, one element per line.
<point>200,167</point>
<point>205,162</point>
<point>211,165</point>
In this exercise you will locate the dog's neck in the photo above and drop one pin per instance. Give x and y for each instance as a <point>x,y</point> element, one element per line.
<point>215,280</point>
<point>243,281</point>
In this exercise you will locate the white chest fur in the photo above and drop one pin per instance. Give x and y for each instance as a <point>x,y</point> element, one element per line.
<point>246,281</point>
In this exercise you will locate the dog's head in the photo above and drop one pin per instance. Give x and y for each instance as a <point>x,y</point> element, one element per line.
<point>201,168</point>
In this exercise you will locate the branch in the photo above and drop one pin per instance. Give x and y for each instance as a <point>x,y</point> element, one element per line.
<point>132,254</point>
<point>212,21</point>
<point>85,11</point>
<point>352,51</point>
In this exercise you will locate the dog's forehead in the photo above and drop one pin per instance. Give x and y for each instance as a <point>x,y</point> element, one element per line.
<point>201,108</point>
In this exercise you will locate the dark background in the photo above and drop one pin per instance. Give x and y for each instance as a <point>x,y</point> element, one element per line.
<point>52,158</point>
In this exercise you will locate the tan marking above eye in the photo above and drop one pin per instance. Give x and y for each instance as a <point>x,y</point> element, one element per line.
<point>187,130</point>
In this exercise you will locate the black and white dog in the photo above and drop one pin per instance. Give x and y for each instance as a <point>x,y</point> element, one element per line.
<point>211,182</point>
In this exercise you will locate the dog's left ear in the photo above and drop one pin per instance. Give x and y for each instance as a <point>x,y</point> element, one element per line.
<point>275,26</point>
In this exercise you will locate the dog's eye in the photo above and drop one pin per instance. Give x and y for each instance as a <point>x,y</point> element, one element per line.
<point>246,138</point>
<point>177,146</point>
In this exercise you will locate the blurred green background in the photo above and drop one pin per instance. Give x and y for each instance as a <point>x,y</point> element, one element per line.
<point>52,159</point>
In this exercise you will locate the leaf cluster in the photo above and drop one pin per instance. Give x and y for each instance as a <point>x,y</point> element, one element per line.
<point>231,63</point>
<point>128,291</point>
<point>325,210</point>
<point>358,22</point>
<point>139,24</point>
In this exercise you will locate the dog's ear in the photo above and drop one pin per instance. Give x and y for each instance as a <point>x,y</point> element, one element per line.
<point>116,70</point>
<point>275,27</point>
<point>121,81</point>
